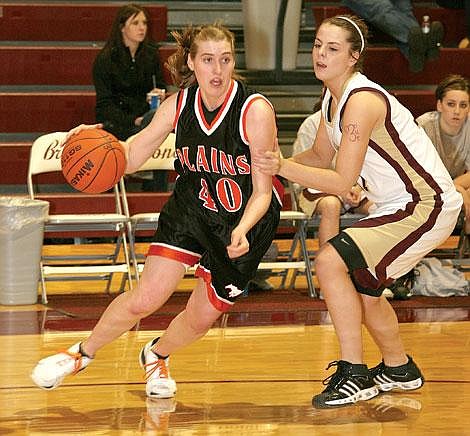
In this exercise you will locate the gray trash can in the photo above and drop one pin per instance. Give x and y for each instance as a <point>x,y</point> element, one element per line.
<point>21,238</point>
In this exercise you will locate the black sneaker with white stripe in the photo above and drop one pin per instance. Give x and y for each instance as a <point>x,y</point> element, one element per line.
<point>405,377</point>
<point>350,383</point>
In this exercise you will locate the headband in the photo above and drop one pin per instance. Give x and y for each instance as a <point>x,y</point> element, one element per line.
<point>357,28</point>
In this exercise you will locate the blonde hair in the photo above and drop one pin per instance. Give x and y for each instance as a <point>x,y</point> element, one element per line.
<point>188,41</point>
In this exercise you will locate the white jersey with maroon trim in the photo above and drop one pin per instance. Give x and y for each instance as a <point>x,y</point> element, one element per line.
<point>417,203</point>
<point>398,148</point>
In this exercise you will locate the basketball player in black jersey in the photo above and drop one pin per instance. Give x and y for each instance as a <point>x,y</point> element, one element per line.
<point>222,215</point>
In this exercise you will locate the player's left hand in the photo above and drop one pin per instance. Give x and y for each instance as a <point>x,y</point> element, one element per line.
<point>239,245</point>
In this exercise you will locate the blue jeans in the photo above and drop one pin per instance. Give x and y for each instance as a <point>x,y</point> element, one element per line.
<point>393,17</point>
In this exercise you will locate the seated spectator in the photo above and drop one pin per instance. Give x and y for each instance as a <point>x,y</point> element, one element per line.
<point>465,42</point>
<point>124,72</point>
<point>460,4</point>
<point>396,19</point>
<point>328,206</point>
<point>449,130</point>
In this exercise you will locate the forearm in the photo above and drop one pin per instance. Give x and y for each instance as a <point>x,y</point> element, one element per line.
<point>321,179</point>
<point>256,208</point>
<point>140,148</point>
<point>312,159</point>
<point>107,110</point>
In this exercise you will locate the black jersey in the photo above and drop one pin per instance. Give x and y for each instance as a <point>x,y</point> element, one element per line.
<point>213,158</point>
<point>211,192</point>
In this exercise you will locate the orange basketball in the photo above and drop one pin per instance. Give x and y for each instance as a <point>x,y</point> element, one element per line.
<point>93,161</point>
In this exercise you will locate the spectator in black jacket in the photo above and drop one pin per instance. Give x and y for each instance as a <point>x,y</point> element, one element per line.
<point>125,70</point>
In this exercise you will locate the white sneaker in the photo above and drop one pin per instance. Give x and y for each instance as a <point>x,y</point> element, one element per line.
<point>50,371</point>
<point>157,373</point>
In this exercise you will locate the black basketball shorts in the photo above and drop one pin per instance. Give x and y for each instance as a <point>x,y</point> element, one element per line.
<point>192,237</point>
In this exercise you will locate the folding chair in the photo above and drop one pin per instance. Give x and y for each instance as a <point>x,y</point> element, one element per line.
<point>45,158</point>
<point>458,255</point>
<point>292,260</point>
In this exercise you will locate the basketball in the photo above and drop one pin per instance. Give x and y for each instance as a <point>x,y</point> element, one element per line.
<point>93,161</point>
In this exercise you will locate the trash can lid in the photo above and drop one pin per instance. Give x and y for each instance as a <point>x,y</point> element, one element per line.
<point>17,212</point>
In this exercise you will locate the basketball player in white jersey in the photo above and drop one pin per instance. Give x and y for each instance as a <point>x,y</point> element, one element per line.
<point>222,215</point>
<point>379,144</point>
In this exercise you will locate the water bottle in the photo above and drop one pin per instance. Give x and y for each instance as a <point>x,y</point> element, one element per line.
<point>426,24</point>
<point>153,99</point>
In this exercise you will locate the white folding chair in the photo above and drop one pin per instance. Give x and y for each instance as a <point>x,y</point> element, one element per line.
<point>45,158</point>
<point>292,259</point>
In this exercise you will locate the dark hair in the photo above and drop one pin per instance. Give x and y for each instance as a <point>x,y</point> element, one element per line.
<point>124,13</point>
<point>454,82</point>
<point>187,41</point>
<point>354,37</point>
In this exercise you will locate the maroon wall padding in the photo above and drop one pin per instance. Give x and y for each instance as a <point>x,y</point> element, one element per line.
<point>69,21</point>
<point>56,65</point>
<point>46,111</point>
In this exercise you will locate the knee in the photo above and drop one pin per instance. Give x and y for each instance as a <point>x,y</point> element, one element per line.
<point>143,301</point>
<point>370,303</point>
<point>139,305</point>
<point>198,324</point>
<point>330,207</point>
<point>328,262</point>
<point>200,316</point>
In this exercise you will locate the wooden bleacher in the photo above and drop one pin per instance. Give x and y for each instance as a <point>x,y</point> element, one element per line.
<point>46,111</point>
<point>387,66</point>
<point>453,20</point>
<point>50,21</point>
<point>58,64</point>
<point>51,65</point>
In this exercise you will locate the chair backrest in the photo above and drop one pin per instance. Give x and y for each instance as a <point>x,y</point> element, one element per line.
<point>164,156</point>
<point>45,156</point>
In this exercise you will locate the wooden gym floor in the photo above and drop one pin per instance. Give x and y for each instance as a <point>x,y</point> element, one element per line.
<point>253,374</point>
<point>235,381</point>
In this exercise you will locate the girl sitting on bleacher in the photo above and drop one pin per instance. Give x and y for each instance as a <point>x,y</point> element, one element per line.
<point>449,129</point>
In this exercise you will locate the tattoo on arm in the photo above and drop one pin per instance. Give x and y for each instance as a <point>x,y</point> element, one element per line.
<point>353,132</point>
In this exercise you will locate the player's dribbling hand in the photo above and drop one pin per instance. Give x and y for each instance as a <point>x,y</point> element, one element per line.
<point>81,127</point>
<point>239,245</point>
